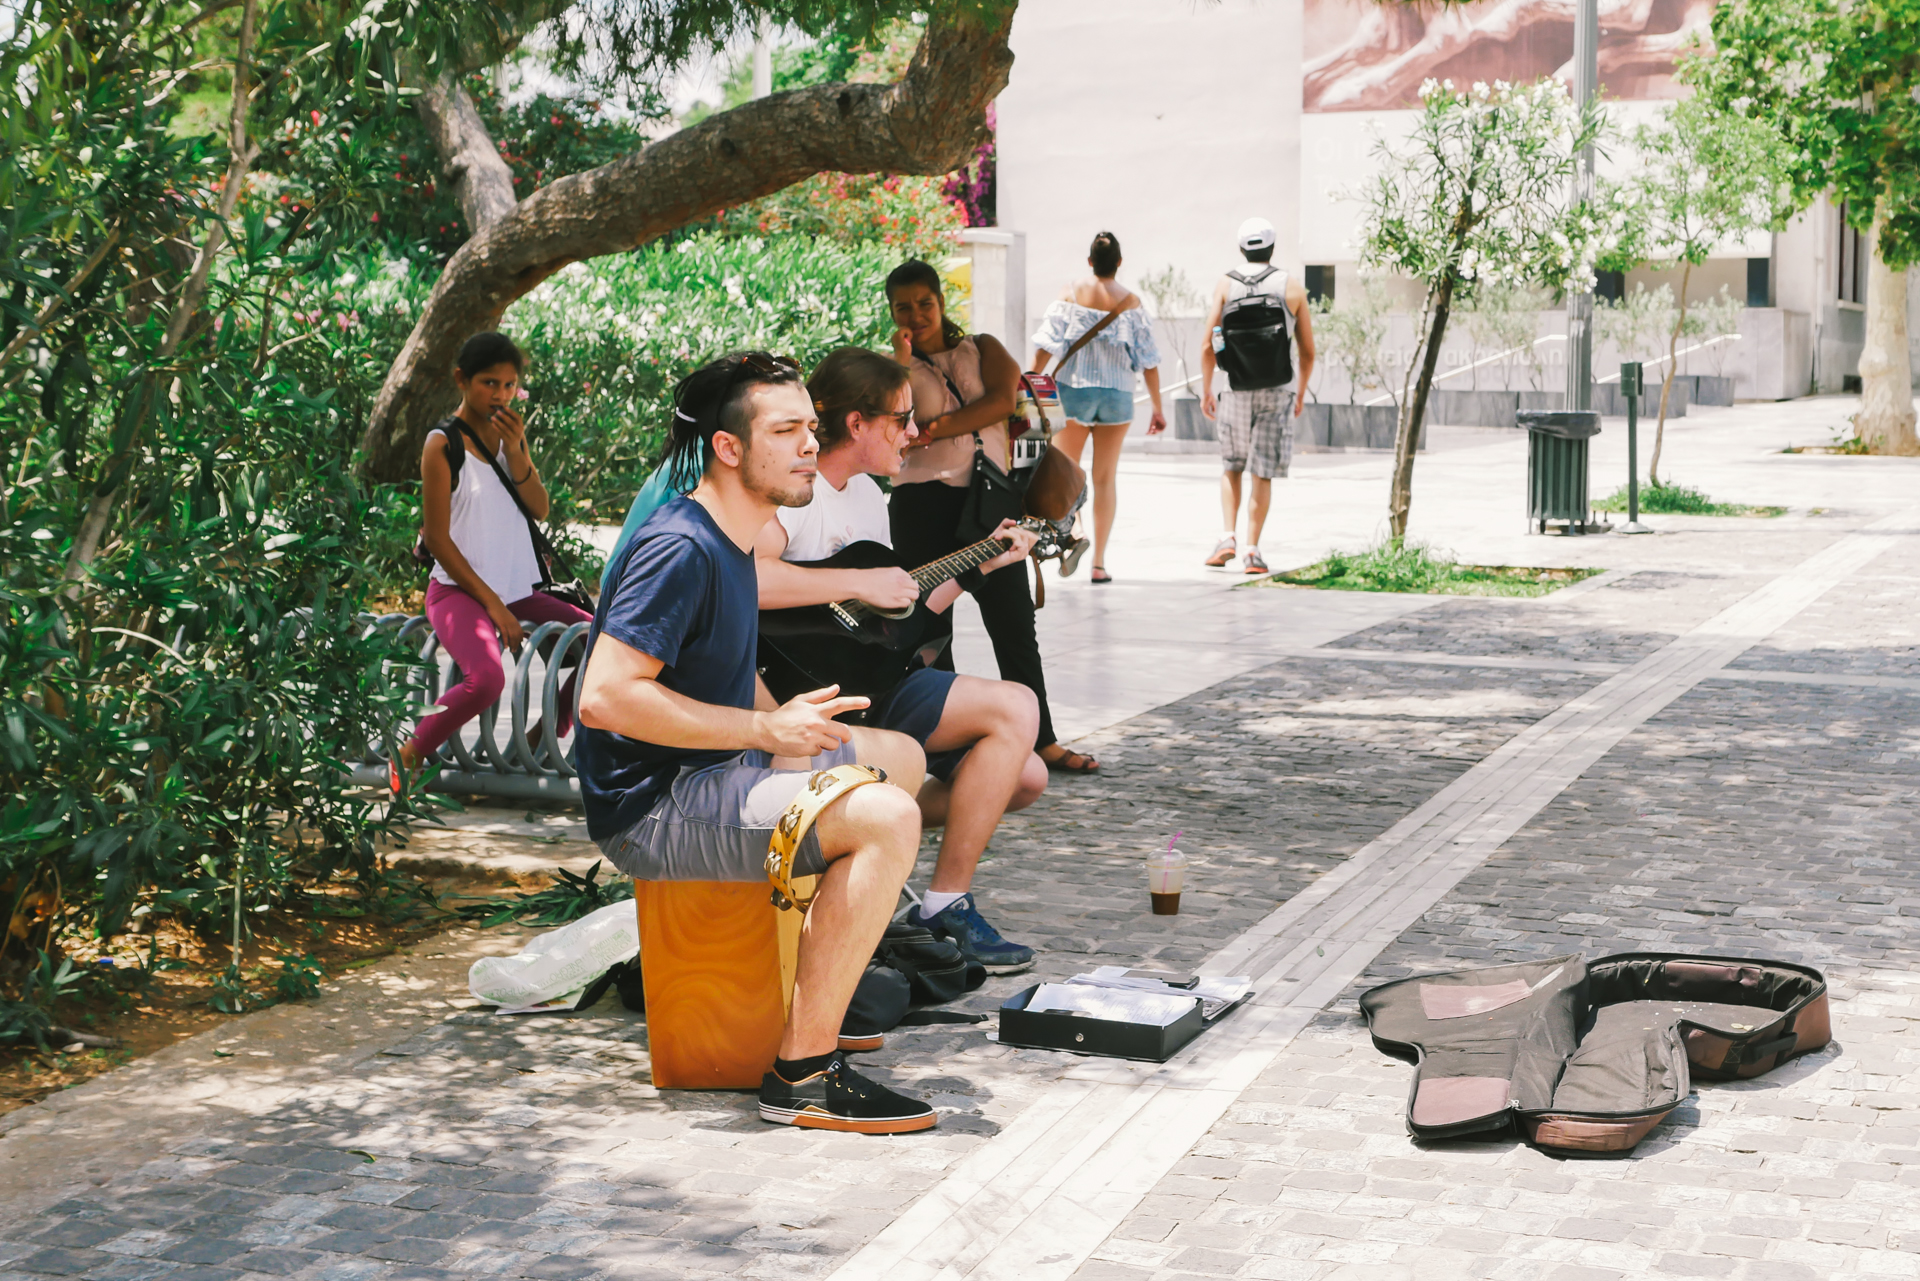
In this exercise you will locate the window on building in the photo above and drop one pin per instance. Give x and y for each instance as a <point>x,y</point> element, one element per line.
<point>1609,286</point>
<point>1319,283</point>
<point>1759,282</point>
<point>1852,283</point>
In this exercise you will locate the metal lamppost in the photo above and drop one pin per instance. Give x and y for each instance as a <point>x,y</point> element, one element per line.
<point>1631,387</point>
<point>1586,84</point>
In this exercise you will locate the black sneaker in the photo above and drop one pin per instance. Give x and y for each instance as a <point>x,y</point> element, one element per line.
<point>841,1099</point>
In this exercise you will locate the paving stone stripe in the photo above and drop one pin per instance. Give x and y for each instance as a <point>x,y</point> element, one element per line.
<point>1039,1198</point>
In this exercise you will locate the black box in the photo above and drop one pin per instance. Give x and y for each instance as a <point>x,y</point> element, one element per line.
<point>1083,1034</point>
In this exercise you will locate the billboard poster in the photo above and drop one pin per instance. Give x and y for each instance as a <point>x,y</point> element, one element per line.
<point>1373,55</point>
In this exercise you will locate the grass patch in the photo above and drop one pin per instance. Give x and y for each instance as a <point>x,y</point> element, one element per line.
<point>1680,500</point>
<point>1414,567</point>
<point>1852,445</point>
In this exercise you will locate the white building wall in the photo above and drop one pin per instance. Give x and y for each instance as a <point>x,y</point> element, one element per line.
<point>1165,122</point>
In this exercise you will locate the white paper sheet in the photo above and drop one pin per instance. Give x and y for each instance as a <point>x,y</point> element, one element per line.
<point>1120,1004</point>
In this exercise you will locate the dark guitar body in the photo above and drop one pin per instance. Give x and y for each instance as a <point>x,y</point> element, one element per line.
<point>806,648</point>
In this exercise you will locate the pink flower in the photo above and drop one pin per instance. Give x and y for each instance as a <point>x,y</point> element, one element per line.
<point>520,394</point>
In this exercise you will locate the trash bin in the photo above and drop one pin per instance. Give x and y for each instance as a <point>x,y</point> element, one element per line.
<point>1557,466</point>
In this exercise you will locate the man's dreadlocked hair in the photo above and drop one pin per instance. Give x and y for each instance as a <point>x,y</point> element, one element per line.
<point>714,398</point>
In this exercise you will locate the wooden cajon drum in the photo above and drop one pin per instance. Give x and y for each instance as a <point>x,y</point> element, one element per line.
<point>717,960</point>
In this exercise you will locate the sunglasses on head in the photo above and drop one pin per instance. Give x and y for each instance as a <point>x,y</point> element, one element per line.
<point>761,362</point>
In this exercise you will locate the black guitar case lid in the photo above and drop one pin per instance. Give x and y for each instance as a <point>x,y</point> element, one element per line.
<point>1589,1056</point>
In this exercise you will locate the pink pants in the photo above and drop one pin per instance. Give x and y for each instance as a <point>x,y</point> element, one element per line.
<point>469,636</point>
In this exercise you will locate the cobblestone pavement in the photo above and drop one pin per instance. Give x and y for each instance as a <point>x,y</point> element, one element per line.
<point>1747,816</point>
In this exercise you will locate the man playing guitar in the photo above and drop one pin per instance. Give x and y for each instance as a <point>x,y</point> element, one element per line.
<point>978,734</point>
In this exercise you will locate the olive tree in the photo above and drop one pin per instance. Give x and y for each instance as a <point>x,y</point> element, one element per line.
<point>1839,81</point>
<point>1702,177</point>
<point>929,122</point>
<point>1478,192</point>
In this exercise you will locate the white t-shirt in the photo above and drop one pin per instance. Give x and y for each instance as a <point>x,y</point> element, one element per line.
<point>835,518</point>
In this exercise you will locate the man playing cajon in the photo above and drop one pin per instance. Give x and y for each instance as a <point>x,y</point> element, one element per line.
<point>686,764</point>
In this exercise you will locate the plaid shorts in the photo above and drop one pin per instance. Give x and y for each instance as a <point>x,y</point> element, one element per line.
<point>1256,431</point>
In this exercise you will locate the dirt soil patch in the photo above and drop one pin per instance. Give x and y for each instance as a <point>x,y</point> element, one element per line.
<point>148,989</point>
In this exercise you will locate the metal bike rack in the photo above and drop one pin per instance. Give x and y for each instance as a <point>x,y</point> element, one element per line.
<point>542,772</point>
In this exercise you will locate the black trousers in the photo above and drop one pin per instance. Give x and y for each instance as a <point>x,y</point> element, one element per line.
<point>923,517</point>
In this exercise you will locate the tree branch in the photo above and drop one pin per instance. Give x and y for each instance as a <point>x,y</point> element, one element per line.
<point>139,405</point>
<point>469,160</point>
<point>928,123</point>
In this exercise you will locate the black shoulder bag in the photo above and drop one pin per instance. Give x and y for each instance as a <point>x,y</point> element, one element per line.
<point>992,494</point>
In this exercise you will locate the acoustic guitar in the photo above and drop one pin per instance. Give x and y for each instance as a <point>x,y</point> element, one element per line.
<point>862,649</point>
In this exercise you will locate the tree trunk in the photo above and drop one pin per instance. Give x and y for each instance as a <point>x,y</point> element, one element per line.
<point>469,160</point>
<point>1885,420</point>
<point>928,123</point>
<point>1400,499</point>
<point>1666,387</point>
<point>138,406</point>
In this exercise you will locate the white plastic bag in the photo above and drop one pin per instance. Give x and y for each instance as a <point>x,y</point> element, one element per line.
<point>551,972</point>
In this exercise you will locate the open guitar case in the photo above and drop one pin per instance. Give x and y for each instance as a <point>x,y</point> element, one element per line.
<point>1589,1056</point>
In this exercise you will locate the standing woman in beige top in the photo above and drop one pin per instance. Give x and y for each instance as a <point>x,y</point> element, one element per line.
<point>963,391</point>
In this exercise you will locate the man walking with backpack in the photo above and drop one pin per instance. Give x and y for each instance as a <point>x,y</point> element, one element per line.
<point>1258,315</point>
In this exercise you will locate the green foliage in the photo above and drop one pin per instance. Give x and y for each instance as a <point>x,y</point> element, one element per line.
<point>1638,322</point>
<point>1350,334</point>
<point>179,705</point>
<point>1505,317</point>
<point>630,47</point>
<point>847,52</point>
<point>1477,192</point>
<point>30,1019</point>
<point>230,993</point>
<point>1415,567</point>
<point>299,978</point>
<point>608,339</point>
<point>1703,176</point>
<point>1839,82</point>
<point>909,215</point>
<point>571,897</point>
<point>1680,500</point>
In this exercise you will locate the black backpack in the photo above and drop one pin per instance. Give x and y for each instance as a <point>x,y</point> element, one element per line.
<point>1257,333</point>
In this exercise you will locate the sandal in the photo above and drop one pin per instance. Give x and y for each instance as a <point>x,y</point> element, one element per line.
<point>1100,575</point>
<point>1070,763</point>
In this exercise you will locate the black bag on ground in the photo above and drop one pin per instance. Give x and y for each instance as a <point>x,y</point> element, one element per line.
<point>935,968</point>
<point>879,1001</point>
<point>1256,329</point>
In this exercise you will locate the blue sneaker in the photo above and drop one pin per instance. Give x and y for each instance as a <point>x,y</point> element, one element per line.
<point>962,924</point>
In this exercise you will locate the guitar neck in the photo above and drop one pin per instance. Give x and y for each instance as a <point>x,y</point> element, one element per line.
<point>934,573</point>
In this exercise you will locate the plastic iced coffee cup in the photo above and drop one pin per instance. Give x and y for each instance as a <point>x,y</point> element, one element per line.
<point>1166,875</point>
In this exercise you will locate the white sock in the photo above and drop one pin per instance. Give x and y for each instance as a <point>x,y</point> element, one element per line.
<point>934,902</point>
<point>1227,537</point>
<point>1252,550</point>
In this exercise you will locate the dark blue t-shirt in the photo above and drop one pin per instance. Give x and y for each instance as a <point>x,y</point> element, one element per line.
<point>684,593</point>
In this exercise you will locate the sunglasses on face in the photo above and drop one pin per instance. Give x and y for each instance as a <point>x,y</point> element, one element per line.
<point>903,420</point>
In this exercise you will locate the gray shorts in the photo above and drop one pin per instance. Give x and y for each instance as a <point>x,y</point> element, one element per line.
<point>714,822</point>
<point>1256,431</point>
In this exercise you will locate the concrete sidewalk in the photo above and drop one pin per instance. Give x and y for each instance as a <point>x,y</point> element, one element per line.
<point>1712,749</point>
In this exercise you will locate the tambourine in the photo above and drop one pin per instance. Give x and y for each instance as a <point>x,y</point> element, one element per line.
<point>822,790</point>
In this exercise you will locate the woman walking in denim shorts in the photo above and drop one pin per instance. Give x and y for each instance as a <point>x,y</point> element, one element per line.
<point>1096,385</point>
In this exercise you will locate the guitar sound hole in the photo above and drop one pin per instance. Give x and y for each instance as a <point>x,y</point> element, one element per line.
<point>895,613</point>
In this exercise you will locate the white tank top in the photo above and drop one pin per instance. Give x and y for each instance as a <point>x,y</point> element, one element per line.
<point>486,525</point>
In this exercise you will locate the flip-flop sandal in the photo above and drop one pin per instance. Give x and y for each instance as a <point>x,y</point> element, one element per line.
<point>1070,559</point>
<point>1072,763</point>
<point>1100,577</point>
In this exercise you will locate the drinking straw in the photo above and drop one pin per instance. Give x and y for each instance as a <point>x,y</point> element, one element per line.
<point>1172,839</point>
